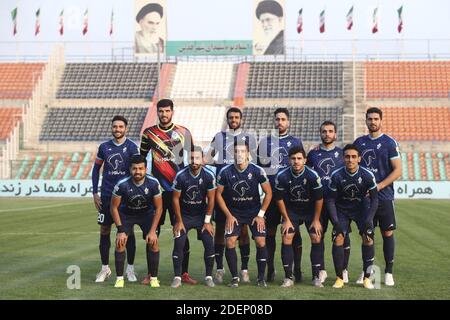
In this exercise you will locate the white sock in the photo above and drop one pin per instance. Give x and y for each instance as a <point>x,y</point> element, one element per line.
<point>208,277</point>
<point>179,278</point>
<point>130,267</point>
<point>105,267</point>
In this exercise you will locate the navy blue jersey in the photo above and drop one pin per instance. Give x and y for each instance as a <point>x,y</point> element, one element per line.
<point>273,154</point>
<point>299,192</point>
<point>116,163</point>
<point>376,154</point>
<point>350,190</point>
<point>324,162</point>
<point>223,144</point>
<point>137,199</point>
<point>194,190</point>
<point>241,189</point>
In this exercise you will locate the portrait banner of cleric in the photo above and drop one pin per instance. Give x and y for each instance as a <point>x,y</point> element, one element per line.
<point>268,27</point>
<point>150,27</point>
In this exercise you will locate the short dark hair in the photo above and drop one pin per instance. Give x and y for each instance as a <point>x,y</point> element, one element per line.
<point>375,110</point>
<point>164,103</point>
<point>120,118</point>
<point>196,149</point>
<point>239,142</point>
<point>351,146</point>
<point>138,158</point>
<point>234,109</point>
<point>328,123</point>
<point>281,110</point>
<point>297,149</point>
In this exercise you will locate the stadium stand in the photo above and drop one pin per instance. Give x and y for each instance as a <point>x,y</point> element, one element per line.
<point>407,79</point>
<point>108,81</point>
<point>417,123</point>
<point>76,165</point>
<point>203,122</point>
<point>203,80</point>
<point>430,166</point>
<point>89,123</point>
<point>9,116</point>
<point>295,80</point>
<point>18,79</point>
<point>304,121</point>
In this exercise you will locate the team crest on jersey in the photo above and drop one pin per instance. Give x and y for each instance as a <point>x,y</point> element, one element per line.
<point>124,149</point>
<point>336,154</point>
<point>240,187</point>
<point>281,152</point>
<point>289,143</point>
<point>297,192</point>
<point>359,180</point>
<point>175,135</point>
<point>200,181</point>
<point>115,160</point>
<point>192,192</point>
<point>368,156</point>
<point>146,190</point>
<point>350,192</point>
<point>250,176</point>
<point>304,181</point>
<point>326,165</point>
<point>379,146</point>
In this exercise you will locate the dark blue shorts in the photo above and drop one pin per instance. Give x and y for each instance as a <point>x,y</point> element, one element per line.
<point>297,221</point>
<point>385,216</point>
<point>345,221</point>
<point>104,217</point>
<point>218,216</point>
<point>238,228</point>
<point>144,222</point>
<point>167,207</point>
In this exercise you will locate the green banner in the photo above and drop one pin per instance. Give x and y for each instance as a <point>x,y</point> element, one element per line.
<point>206,48</point>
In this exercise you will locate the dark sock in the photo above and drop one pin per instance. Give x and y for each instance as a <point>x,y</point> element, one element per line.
<point>338,259</point>
<point>177,254</point>
<point>322,255</point>
<point>287,257</point>
<point>346,251</point>
<point>297,246</point>
<point>368,253</point>
<point>186,252</point>
<point>271,248</point>
<point>105,244</point>
<point>388,250</point>
<point>218,250</point>
<point>231,256</point>
<point>131,248</point>
<point>261,260</point>
<point>245,255</point>
<point>208,256</point>
<point>152,262</point>
<point>316,257</point>
<point>120,262</point>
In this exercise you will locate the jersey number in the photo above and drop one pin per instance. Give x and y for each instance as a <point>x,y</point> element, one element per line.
<point>101,217</point>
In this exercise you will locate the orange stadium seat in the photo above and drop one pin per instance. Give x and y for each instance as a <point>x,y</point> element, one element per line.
<point>18,79</point>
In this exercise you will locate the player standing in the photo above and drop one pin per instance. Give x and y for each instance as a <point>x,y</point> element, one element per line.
<point>114,155</point>
<point>167,142</point>
<point>381,155</point>
<point>273,157</point>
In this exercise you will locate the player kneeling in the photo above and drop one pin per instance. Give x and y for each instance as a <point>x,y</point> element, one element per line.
<point>194,189</point>
<point>140,199</point>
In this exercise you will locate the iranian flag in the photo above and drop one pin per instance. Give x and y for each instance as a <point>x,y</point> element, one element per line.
<point>85,22</point>
<point>14,20</point>
<point>375,21</point>
<point>300,21</point>
<point>350,19</point>
<point>37,27</point>
<point>112,23</point>
<point>322,21</point>
<point>61,22</point>
<point>400,19</point>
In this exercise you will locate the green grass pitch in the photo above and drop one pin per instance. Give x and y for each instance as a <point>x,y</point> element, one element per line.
<point>40,238</point>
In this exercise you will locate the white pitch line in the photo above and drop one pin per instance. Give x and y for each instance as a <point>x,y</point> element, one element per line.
<point>41,207</point>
